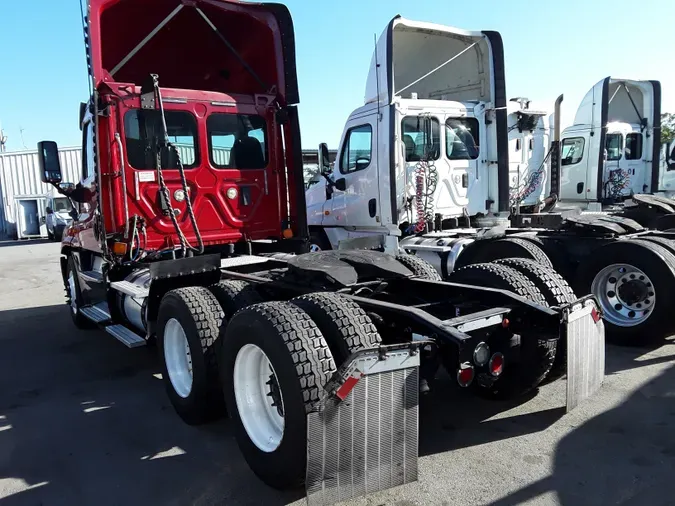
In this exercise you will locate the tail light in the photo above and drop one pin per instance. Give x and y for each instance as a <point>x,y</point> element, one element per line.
<point>496,365</point>
<point>465,374</point>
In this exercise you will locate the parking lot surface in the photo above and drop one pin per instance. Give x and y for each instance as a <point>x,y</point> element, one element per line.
<point>84,420</point>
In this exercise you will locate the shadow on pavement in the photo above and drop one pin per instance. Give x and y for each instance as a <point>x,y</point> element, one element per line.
<point>83,420</point>
<point>451,419</point>
<point>624,456</point>
<point>23,242</point>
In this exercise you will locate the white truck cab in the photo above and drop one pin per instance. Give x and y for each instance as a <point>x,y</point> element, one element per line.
<point>611,151</point>
<point>429,145</point>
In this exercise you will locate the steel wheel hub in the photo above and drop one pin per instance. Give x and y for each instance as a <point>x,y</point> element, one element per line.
<point>178,358</point>
<point>259,399</point>
<point>626,294</point>
<point>314,248</point>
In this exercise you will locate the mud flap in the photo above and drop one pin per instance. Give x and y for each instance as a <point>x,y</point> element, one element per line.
<point>585,332</point>
<point>362,437</point>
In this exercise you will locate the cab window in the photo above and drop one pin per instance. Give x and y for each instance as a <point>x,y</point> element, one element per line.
<point>614,146</point>
<point>357,150</point>
<point>421,138</point>
<point>461,139</point>
<point>142,132</point>
<point>572,150</point>
<point>237,141</point>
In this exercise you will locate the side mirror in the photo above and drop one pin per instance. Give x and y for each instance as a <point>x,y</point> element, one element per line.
<point>50,166</point>
<point>362,163</point>
<point>49,210</point>
<point>324,159</point>
<point>341,184</point>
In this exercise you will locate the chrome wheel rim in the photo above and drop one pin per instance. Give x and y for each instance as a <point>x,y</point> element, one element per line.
<point>178,358</point>
<point>314,248</point>
<point>259,399</point>
<point>72,292</point>
<point>625,293</point>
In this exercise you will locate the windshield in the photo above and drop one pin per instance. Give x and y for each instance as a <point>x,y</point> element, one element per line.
<point>61,204</point>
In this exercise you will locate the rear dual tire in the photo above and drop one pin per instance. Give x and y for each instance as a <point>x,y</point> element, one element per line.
<point>188,325</point>
<point>528,360</point>
<point>300,365</point>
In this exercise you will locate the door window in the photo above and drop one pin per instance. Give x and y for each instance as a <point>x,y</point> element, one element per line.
<point>572,150</point>
<point>461,139</point>
<point>142,130</point>
<point>614,146</point>
<point>634,146</point>
<point>88,150</point>
<point>421,138</point>
<point>237,141</point>
<point>357,150</point>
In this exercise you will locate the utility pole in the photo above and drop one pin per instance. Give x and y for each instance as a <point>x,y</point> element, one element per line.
<point>3,139</point>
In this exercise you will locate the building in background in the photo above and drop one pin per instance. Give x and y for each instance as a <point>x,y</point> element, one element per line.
<point>24,198</point>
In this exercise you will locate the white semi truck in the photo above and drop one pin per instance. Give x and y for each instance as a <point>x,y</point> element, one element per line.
<point>430,164</point>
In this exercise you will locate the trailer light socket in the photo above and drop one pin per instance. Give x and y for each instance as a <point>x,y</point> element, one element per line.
<point>465,374</point>
<point>481,355</point>
<point>496,365</point>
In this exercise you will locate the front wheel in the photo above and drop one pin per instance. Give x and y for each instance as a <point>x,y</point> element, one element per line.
<point>275,365</point>
<point>634,282</point>
<point>74,296</point>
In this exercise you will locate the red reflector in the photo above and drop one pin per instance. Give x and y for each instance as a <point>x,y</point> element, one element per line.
<point>595,315</point>
<point>465,376</point>
<point>496,364</point>
<point>505,322</point>
<point>347,387</point>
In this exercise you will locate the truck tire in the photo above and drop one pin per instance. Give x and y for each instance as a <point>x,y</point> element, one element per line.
<point>556,292</point>
<point>318,241</point>
<point>555,253</point>
<point>274,347</point>
<point>536,356</point>
<point>74,296</point>
<point>645,272</point>
<point>188,324</point>
<point>344,325</point>
<point>669,244</point>
<point>419,267</point>
<point>233,295</point>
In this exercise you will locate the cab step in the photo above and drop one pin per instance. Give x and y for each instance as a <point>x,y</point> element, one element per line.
<point>131,289</point>
<point>128,337</point>
<point>98,313</point>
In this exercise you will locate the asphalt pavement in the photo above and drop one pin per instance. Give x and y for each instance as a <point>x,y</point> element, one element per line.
<point>85,421</point>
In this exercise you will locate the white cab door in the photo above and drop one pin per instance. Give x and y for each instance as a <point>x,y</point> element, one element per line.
<point>359,204</point>
<point>574,161</point>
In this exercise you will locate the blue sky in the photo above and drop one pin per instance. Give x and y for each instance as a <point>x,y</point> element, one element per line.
<point>551,48</point>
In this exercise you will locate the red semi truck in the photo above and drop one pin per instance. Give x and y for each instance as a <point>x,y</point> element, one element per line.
<point>190,232</point>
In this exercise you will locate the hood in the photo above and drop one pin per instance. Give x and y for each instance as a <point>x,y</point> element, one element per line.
<point>212,45</point>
